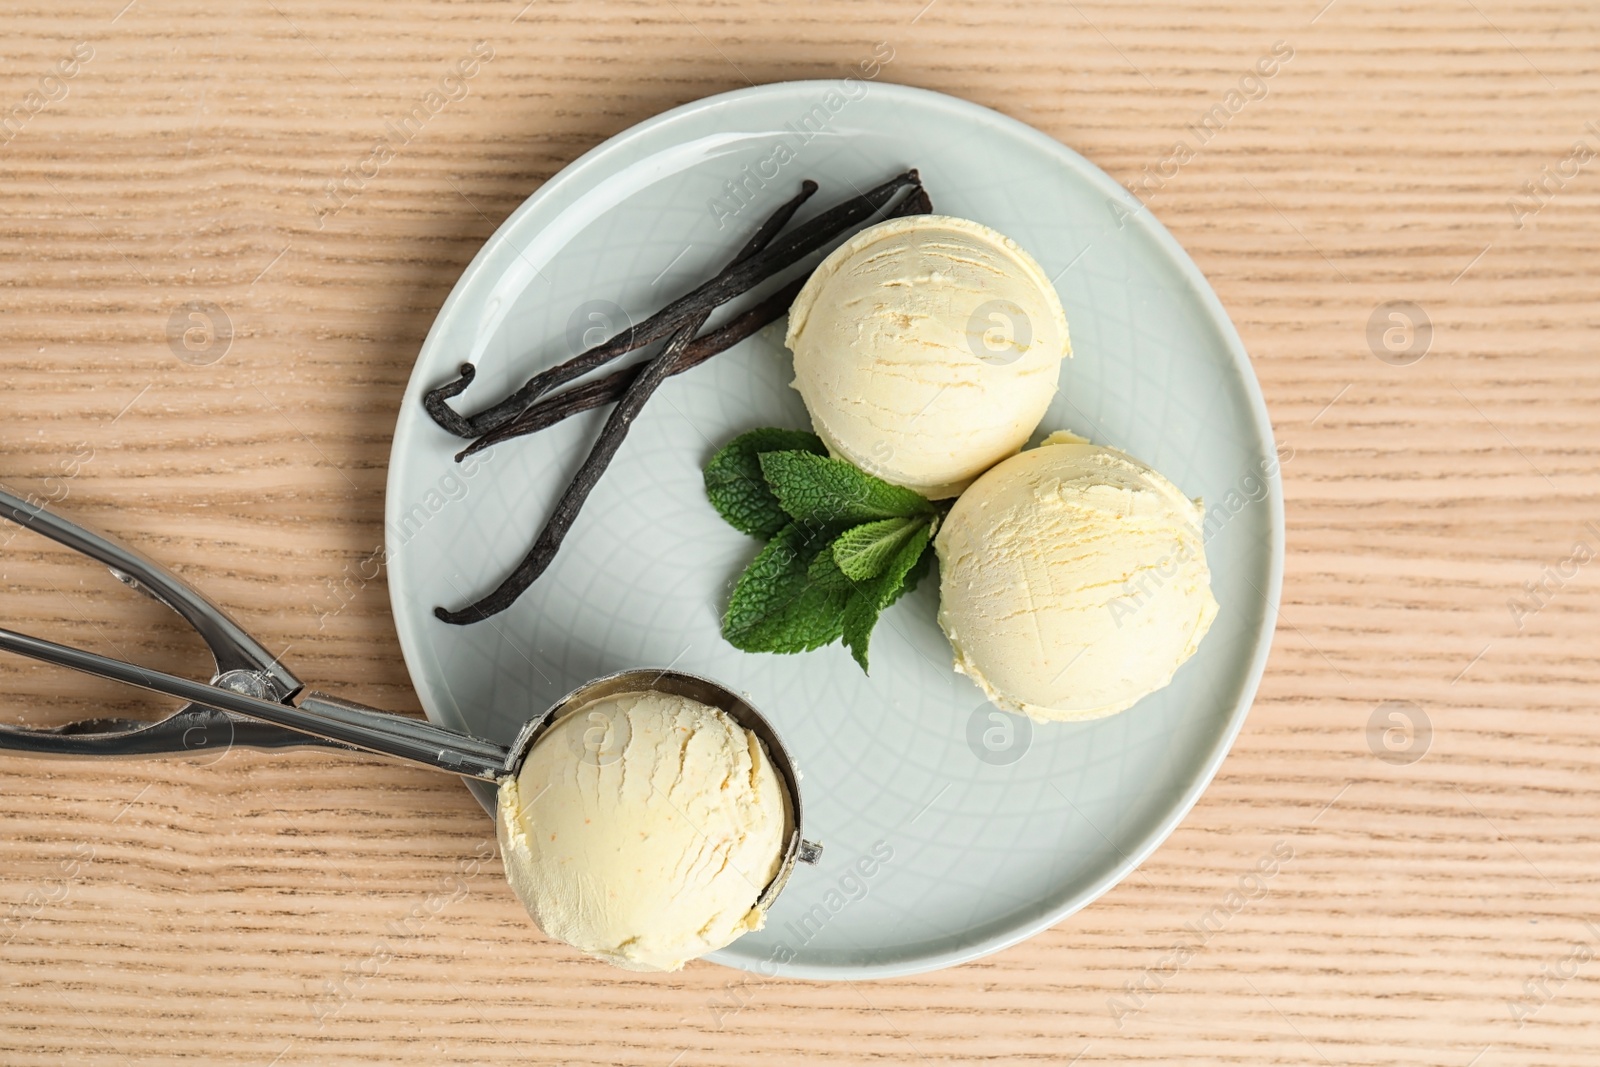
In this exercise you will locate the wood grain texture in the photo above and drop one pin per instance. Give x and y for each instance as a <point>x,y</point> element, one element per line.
<point>279,909</point>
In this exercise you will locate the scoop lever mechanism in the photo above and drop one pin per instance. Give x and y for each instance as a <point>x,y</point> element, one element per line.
<point>317,714</point>
<point>253,699</point>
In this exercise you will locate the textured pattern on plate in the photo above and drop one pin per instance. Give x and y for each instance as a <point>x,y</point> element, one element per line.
<point>996,828</point>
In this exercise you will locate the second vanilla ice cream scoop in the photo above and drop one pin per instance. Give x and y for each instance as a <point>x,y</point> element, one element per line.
<point>927,349</point>
<point>1073,581</point>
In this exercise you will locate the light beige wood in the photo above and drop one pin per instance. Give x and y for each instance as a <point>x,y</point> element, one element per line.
<point>161,911</point>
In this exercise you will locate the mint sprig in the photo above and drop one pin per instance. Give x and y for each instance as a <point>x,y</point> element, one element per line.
<point>842,545</point>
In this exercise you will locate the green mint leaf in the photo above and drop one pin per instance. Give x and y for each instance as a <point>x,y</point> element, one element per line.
<point>824,571</point>
<point>777,606</point>
<point>863,551</point>
<point>815,489</point>
<point>914,575</point>
<point>737,488</point>
<point>869,599</point>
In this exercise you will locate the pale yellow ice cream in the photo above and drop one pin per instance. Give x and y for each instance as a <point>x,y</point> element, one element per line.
<point>643,828</point>
<point>927,349</point>
<point>1073,581</point>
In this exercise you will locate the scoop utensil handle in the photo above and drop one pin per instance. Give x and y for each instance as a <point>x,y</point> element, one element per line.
<point>317,715</point>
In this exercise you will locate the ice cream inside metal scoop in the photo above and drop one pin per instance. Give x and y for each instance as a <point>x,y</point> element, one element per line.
<point>653,817</point>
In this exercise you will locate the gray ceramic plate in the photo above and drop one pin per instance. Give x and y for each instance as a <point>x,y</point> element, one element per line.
<point>951,829</point>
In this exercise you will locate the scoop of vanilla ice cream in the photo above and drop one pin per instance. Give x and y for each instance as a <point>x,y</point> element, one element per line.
<point>1073,581</point>
<point>642,829</point>
<point>927,348</point>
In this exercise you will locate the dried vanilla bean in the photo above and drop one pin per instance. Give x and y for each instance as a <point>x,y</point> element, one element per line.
<point>589,395</point>
<point>586,396</point>
<point>555,528</point>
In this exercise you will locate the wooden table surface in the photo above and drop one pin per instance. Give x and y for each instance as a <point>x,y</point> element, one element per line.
<point>1440,906</point>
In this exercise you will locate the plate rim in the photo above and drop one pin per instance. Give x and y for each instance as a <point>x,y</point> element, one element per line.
<point>1135,210</point>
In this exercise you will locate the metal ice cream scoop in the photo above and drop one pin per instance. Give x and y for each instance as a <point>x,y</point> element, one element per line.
<point>254,701</point>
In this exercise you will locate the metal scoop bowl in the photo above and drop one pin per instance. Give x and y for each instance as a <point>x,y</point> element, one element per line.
<point>796,848</point>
